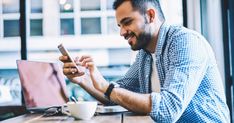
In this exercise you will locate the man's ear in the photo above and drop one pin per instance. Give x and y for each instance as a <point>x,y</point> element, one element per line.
<point>151,15</point>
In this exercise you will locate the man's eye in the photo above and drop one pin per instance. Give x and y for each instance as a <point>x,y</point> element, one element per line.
<point>128,22</point>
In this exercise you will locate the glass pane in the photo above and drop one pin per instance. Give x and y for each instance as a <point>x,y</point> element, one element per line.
<point>11,28</point>
<point>89,5</point>
<point>10,6</point>
<point>173,11</point>
<point>67,27</point>
<point>36,6</point>
<point>66,5</point>
<point>36,27</point>
<point>112,27</point>
<point>10,87</point>
<point>109,4</point>
<point>90,26</point>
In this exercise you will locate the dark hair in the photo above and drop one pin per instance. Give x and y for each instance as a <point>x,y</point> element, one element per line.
<point>141,6</point>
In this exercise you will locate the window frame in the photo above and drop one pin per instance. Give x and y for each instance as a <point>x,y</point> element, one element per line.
<point>228,40</point>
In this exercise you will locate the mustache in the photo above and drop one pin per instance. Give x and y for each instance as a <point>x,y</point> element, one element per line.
<point>129,35</point>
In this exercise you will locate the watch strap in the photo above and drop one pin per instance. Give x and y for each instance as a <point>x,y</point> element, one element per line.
<point>109,89</point>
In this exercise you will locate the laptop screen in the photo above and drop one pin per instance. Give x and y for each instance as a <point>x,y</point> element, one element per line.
<point>43,84</point>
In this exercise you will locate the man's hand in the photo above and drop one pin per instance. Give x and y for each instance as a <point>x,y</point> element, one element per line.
<point>80,76</point>
<point>98,81</point>
<point>83,77</point>
<point>70,70</point>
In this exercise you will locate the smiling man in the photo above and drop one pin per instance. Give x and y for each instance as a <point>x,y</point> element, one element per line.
<point>174,78</point>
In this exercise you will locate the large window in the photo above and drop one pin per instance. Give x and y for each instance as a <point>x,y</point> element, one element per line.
<point>83,26</point>
<point>10,90</point>
<point>9,33</point>
<point>228,42</point>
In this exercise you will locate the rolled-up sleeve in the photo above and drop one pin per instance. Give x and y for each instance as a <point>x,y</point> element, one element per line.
<point>187,63</point>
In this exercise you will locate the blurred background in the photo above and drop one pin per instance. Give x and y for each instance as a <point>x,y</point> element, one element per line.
<point>84,27</point>
<point>89,27</point>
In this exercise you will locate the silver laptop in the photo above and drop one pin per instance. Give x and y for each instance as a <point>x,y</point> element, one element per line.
<point>43,85</point>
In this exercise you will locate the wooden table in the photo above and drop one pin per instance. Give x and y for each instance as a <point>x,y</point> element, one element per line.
<point>114,118</point>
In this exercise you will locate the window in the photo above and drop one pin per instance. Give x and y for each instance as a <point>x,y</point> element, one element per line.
<point>9,53</point>
<point>90,5</point>
<point>112,26</point>
<point>84,26</point>
<point>66,17</point>
<point>10,6</point>
<point>36,6</point>
<point>67,27</point>
<point>11,28</point>
<point>9,33</point>
<point>90,26</point>
<point>173,11</point>
<point>109,4</point>
<point>36,21</point>
<point>66,6</point>
<point>36,27</point>
<point>10,18</point>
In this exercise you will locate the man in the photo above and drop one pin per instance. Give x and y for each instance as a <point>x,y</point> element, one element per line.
<point>174,78</point>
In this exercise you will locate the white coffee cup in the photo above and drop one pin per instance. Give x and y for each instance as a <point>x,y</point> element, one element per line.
<point>83,110</point>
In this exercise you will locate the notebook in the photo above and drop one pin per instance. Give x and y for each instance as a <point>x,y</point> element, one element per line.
<point>43,85</point>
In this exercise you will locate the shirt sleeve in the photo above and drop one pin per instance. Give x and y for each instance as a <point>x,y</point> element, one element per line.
<point>187,59</point>
<point>131,80</point>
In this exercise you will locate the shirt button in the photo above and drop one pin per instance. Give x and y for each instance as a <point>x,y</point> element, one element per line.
<point>147,76</point>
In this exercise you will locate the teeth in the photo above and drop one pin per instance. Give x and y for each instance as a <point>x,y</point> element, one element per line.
<point>128,37</point>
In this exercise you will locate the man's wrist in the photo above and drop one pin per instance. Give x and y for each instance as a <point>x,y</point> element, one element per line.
<point>109,89</point>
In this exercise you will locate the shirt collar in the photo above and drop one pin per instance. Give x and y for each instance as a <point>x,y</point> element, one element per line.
<point>161,38</point>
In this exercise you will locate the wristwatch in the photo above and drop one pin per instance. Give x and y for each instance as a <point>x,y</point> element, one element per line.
<point>111,86</point>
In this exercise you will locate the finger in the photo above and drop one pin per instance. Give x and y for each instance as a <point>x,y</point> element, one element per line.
<point>77,61</point>
<point>68,71</point>
<point>84,57</point>
<point>86,61</point>
<point>75,75</point>
<point>63,58</point>
<point>69,65</point>
<point>72,71</point>
<point>89,64</point>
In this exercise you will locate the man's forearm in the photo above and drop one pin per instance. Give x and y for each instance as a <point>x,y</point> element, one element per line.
<point>95,93</point>
<point>140,103</point>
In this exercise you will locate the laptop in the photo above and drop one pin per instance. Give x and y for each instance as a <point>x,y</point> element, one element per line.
<point>43,85</point>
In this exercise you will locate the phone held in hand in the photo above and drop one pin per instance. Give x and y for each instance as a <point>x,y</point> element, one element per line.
<point>65,52</point>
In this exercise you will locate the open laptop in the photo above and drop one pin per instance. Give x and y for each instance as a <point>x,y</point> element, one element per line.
<point>43,85</point>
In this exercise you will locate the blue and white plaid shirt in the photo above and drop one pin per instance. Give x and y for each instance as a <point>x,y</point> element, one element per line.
<point>191,85</point>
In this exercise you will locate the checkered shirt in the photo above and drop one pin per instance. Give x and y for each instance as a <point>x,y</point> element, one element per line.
<point>191,85</point>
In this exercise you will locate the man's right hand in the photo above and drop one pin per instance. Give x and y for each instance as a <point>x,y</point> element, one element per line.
<point>70,70</point>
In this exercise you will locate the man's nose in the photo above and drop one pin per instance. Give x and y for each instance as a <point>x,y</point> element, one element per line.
<point>123,31</point>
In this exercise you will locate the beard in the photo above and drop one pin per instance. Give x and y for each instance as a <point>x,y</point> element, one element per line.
<point>143,40</point>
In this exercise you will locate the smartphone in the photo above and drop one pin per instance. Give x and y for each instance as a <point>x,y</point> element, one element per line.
<point>65,52</point>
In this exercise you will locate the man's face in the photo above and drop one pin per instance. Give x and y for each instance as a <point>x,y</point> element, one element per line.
<point>133,26</point>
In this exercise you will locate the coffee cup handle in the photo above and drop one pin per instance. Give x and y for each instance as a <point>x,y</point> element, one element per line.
<point>65,111</point>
